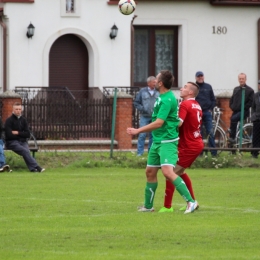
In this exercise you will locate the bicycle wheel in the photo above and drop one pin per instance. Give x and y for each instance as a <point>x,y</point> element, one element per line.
<point>219,137</point>
<point>247,136</point>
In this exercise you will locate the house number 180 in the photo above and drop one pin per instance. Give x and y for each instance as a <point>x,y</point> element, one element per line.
<point>219,30</point>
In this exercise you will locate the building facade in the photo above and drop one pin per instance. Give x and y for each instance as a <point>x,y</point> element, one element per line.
<point>72,47</point>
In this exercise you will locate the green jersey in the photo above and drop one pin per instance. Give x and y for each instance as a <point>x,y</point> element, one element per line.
<point>166,108</point>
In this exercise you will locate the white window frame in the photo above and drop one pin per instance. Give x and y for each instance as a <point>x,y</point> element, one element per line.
<point>76,12</point>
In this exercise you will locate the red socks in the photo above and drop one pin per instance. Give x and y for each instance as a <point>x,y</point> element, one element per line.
<point>169,190</point>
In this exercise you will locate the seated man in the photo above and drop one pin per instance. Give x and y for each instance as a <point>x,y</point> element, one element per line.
<point>16,134</point>
<point>3,167</point>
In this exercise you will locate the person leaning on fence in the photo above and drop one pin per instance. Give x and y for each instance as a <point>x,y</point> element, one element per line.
<point>207,101</point>
<point>255,118</point>
<point>144,103</point>
<point>16,134</point>
<point>3,166</point>
<point>235,105</point>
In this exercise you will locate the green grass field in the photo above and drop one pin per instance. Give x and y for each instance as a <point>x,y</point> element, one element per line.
<point>90,213</point>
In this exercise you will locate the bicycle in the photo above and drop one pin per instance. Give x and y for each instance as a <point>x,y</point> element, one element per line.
<point>221,136</point>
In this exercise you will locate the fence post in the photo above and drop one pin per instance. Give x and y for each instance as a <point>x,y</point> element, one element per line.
<point>8,99</point>
<point>242,116</point>
<point>123,120</point>
<point>113,123</point>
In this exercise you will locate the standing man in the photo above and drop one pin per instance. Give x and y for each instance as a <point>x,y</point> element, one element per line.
<point>255,118</point>
<point>164,150</point>
<point>190,142</point>
<point>207,101</point>
<point>144,103</point>
<point>16,134</point>
<point>235,104</point>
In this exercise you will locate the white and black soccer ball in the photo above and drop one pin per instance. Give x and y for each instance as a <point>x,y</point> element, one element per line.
<point>126,7</point>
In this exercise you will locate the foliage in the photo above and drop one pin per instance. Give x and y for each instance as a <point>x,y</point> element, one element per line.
<point>123,159</point>
<point>226,160</point>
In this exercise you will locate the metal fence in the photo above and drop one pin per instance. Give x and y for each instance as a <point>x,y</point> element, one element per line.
<point>59,113</point>
<point>109,91</point>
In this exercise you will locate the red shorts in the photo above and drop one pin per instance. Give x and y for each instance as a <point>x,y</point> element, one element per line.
<point>188,156</point>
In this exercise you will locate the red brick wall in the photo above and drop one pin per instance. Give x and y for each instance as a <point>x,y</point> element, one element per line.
<point>123,120</point>
<point>8,106</point>
<point>223,102</point>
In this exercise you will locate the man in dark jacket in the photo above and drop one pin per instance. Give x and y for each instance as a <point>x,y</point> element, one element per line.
<point>235,104</point>
<point>207,101</point>
<point>144,103</point>
<point>16,134</point>
<point>256,122</point>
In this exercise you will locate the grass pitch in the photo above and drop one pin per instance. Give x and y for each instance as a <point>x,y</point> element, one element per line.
<point>79,213</point>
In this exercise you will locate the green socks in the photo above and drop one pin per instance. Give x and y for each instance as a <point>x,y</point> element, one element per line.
<point>149,194</point>
<point>182,189</point>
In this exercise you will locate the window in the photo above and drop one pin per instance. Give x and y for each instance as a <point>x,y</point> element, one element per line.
<point>69,6</point>
<point>155,49</point>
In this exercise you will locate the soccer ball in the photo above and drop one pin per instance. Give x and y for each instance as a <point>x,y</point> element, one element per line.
<point>126,7</point>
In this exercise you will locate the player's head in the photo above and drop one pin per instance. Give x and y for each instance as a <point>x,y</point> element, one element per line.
<point>165,79</point>
<point>242,79</point>
<point>151,82</point>
<point>17,109</point>
<point>189,90</point>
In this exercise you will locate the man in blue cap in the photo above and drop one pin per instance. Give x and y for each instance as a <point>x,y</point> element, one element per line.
<point>207,101</point>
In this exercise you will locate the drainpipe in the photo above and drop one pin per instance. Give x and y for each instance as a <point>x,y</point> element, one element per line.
<point>132,51</point>
<point>4,51</point>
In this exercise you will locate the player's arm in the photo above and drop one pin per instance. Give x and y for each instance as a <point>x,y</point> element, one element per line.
<point>147,128</point>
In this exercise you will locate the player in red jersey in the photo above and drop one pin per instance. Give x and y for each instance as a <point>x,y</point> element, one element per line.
<point>190,143</point>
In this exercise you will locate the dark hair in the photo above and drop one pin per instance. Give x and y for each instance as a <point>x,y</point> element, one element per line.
<point>166,78</point>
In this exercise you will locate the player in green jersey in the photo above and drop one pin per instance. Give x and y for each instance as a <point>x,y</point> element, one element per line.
<point>164,150</point>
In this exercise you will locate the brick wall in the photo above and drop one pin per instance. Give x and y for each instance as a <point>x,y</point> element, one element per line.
<point>8,99</point>
<point>223,102</point>
<point>123,120</point>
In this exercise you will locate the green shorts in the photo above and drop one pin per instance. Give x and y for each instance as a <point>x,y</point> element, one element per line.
<point>163,154</point>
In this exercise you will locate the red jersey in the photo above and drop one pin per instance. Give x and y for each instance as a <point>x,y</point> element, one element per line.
<point>190,114</point>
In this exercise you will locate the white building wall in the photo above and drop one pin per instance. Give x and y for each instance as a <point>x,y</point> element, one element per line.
<point>221,57</point>
<point>28,58</point>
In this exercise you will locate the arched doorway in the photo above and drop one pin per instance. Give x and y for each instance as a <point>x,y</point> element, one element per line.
<point>68,63</point>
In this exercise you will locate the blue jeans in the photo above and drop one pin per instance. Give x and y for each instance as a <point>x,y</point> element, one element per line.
<point>2,156</point>
<point>141,138</point>
<point>207,122</point>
